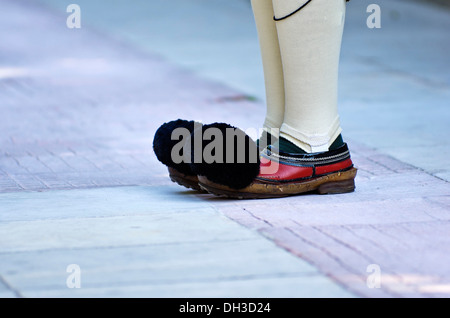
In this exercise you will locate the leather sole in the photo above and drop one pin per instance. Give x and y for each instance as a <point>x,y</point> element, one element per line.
<point>334,183</point>
<point>190,182</point>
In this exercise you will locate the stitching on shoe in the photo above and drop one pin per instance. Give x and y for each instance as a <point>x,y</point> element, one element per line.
<point>344,154</point>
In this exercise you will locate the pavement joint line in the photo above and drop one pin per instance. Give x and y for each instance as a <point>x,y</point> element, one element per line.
<point>311,262</point>
<point>346,267</point>
<point>112,247</point>
<point>146,282</point>
<point>10,288</point>
<point>393,71</point>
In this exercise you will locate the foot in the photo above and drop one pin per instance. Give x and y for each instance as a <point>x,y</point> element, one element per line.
<point>180,173</point>
<point>265,140</point>
<point>327,172</point>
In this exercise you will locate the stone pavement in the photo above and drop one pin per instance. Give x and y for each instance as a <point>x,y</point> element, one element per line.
<point>80,185</point>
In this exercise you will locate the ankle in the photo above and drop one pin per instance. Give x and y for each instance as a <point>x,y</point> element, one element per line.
<point>339,142</point>
<point>266,139</point>
<point>289,147</point>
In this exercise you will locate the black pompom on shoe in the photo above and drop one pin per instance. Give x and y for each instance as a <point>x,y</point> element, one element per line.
<point>227,155</point>
<point>179,172</point>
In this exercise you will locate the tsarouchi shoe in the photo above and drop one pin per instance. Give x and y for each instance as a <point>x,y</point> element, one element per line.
<point>182,172</point>
<point>163,144</point>
<point>284,174</point>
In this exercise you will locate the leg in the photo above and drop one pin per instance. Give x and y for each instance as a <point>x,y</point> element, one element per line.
<point>312,155</point>
<point>310,42</point>
<point>271,58</point>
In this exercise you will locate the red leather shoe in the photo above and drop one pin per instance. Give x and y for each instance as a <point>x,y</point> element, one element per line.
<point>284,174</point>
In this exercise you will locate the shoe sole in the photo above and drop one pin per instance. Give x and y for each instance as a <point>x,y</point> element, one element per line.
<point>335,183</point>
<point>190,182</point>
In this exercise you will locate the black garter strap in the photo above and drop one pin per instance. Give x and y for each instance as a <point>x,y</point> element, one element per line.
<point>292,13</point>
